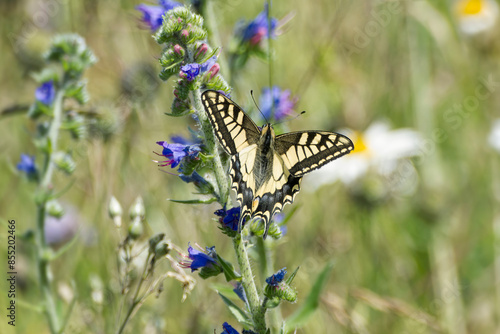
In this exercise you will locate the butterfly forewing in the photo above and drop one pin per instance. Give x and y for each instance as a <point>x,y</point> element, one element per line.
<point>233,128</point>
<point>306,151</point>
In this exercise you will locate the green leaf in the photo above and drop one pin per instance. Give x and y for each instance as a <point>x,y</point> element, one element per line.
<point>292,276</point>
<point>238,313</point>
<point>302,315</point>
<point>228,269</point>
<point>194,201</point>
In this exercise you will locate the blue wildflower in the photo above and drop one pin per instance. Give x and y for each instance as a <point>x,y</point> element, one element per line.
<point>27,165</point>
<point>200,259</point>
<point>228,329</point>
<point>46,93</point>
<point>153,15</point>
<point>277,100</point>
<point>257,30</point>
<point>190,71</point>
<point>175,153</point>
<point>229,218</point>
<point>275,279</point>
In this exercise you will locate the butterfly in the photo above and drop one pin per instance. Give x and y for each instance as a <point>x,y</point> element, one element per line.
<point>266,169</point>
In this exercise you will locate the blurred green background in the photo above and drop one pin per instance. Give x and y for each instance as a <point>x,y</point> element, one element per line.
<point>423,258</point>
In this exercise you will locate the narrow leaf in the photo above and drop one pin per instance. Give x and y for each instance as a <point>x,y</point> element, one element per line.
<point>238,313</point>
<point>302,315</point>
<point>194,201</point>
<point>228,269</point>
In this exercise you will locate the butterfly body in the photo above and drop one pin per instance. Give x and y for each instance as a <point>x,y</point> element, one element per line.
<point>266,169</point>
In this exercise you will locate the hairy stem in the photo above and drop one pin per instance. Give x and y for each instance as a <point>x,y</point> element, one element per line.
<point>43,251</point>
<point>248,282</point>
<point>221,176</point>
<point>135,300</point>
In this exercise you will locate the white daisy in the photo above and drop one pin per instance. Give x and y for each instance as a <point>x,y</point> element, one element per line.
<point>379,149</point>
<point>494,137</point>
<point>476,16</point>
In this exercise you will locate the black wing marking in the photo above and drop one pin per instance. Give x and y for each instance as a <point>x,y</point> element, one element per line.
<point>306,151</point>
<point>234,129</point>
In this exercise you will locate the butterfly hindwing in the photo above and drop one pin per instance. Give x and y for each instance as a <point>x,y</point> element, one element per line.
<point>234,129</point>
<point>305,151</point>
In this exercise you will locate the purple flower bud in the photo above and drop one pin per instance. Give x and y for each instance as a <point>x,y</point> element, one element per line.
<point>202,49</point>
<point>179,50</point>
<point>214,70</point>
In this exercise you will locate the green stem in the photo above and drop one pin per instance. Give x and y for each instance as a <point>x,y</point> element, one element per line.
<point>269,55</point>
<point>211,21</point>
<point>53,136</point>
<point>43,273</point>
<point>248,282</point>
<point>43,251</point>
<point>221,175</point>
<point>135,301</point>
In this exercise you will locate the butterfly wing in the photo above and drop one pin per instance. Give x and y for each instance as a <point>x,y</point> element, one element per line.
<point>296,154</point>
<point>238,135</point>
<point>234,129</point>
<point>305,151</point>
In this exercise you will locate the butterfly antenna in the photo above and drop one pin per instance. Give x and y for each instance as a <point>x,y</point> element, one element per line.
<point>291,119</point>
<point>251,93</point>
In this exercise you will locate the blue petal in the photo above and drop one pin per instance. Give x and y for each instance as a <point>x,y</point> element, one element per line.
<point>228,329</point>
<point>46,93</point>
<point>275,279</point>
<point>168,4</point>
<point>27,164</point>
<point>151,15</point>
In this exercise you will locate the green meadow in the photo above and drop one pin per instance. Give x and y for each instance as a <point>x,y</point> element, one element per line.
<point>406,228</point>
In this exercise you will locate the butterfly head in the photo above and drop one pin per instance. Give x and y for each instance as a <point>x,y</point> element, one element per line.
<point>267,136</point>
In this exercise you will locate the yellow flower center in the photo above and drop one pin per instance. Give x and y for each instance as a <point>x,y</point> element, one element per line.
<point>359,143</point>
<point>470,7</point>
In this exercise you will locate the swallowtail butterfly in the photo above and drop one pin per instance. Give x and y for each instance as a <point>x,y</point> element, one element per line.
<point>267,169</point>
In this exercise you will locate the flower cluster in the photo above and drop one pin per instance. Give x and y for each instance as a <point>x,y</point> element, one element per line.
<point>187,56</point>
<point>250,37</point>
<point>259,28</point>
